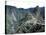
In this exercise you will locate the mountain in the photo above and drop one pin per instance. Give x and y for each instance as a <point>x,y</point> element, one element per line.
<point>20,20</point>
<point>15,10</point>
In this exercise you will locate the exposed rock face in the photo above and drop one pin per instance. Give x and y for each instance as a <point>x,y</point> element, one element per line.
<point>19,20</point>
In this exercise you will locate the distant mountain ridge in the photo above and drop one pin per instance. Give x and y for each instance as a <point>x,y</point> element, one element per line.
<point>16,10</point>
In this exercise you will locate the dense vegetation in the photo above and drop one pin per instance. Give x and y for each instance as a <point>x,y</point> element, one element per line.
<point>19,20</point>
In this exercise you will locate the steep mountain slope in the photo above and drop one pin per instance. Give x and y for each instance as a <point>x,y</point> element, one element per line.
<point>20,20</point>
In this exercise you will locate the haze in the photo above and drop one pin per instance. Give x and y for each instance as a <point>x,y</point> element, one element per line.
<point>26,3</point>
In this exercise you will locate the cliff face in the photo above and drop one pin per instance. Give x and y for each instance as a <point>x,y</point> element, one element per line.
<point>19,20</point>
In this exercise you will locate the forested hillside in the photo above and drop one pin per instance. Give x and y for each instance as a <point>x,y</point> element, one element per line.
<point>20,20</point>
